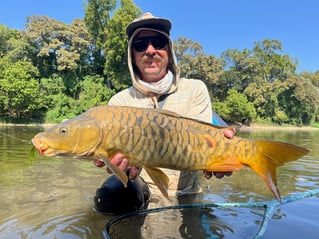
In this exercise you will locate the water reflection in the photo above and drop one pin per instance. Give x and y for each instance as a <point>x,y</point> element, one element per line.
<point>53,197</point>
<point>189,223</point>
<point>45,197</point>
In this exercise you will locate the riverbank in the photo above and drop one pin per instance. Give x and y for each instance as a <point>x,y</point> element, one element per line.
<point>256,127</point>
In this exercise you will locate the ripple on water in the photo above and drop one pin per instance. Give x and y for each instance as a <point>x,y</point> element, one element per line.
<point>58,227</point>
<point>190,223</point>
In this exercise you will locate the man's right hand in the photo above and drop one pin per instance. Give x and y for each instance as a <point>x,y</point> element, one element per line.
<point>121,161</point>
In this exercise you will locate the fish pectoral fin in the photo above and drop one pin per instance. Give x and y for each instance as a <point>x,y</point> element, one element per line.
<point>226,164</point>
<point>159,178</point>
<point>120,174</point>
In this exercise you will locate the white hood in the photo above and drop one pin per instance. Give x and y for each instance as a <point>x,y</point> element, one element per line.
<point>172,65</point>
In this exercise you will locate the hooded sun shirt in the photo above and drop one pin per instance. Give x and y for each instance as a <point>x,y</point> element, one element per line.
<point>187,97</point>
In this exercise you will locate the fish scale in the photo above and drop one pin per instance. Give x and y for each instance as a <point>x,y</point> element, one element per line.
<point>153,138</point>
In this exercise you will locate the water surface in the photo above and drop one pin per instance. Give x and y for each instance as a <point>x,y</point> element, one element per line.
<point>53,197</point>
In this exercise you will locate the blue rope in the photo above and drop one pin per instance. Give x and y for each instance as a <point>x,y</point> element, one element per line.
<point>269,207</point>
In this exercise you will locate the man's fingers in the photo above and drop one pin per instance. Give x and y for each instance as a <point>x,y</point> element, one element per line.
<point>219,174</point>
<point>222,174</point>
<point>133,172</point>
<point>124,164</point>
<point>208,174</point>
<point>229,132</point>
<point>120,161</point>
<point>117,159</point>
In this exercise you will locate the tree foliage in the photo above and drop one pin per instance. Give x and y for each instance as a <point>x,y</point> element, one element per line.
<point>236,108</point>
<point>19,90</point>
<point>97,17</point>
<point>116,67</point>
<point>300,100</point>
<point>51,71</point>
<point>58,48</point>
<point>194,63</point>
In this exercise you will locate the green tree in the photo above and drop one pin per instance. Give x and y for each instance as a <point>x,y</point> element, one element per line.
<point>236,108</point>
<point>300,100</point>
<point>60,48</point>
<point>312,76</point>
<point>274,65</point>
<point>13,45</point>
<point>49,88</point>
<point>19,90</point>
<point>259,73</point>
<point>186,52</point>
<point>264,63</point>
<point>194,63</point>
<point>63,108</point>
<point>116,67</point>
<point>240,68</point>
<point>97,17</point>
<point>264,96</point>
<point>93,92</point>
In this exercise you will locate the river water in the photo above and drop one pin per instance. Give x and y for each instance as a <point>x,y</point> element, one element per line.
<point>53,197</point>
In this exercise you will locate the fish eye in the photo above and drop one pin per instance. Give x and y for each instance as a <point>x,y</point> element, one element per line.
<point>63,130</point>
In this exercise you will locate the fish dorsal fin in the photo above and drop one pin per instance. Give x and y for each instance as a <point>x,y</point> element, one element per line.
<point>159,178</point>
<point>167,112</point>
<point>120,174</point>
<point>176,115</point>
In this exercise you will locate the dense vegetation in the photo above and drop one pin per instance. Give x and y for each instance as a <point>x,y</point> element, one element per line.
<point>50,71</point>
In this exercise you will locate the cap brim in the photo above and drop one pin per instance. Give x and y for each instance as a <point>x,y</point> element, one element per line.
<point>160,24</point>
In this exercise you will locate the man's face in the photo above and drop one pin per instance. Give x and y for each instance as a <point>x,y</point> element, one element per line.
<point>150,55</point>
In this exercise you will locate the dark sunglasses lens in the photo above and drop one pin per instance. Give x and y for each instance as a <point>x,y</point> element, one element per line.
<point>158,42</point>
<point>140,45</point>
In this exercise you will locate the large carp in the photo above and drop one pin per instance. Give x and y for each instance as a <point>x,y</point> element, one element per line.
<point>152,138</point>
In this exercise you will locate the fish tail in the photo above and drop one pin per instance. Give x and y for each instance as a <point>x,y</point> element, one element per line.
<point>271,155</point>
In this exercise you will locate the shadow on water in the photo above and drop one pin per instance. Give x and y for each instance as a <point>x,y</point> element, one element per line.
<point>53,197</point>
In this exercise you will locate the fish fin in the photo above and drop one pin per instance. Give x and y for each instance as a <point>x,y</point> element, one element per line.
<point>167,112</point>
<point>159,178</point>
<point>120,174</point>
<point>225,164</point>
<point>270,155</point>
<point>176,115</point>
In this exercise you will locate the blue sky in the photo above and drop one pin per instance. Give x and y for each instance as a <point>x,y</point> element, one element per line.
<point>216,25</point>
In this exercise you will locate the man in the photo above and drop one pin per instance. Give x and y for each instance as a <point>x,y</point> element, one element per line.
<point>156,83</point>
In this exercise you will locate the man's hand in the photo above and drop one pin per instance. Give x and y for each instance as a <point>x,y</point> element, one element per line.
<point>209,174</point>
<point>122,162</point>
<point>229,132</point>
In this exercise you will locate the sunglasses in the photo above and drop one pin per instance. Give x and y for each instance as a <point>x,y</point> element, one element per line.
<point>141,44</point>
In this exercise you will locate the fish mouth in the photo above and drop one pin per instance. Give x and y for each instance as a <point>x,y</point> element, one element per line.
<point>41,147</point>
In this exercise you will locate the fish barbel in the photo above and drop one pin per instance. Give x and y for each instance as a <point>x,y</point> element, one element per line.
<point>153,138</point>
